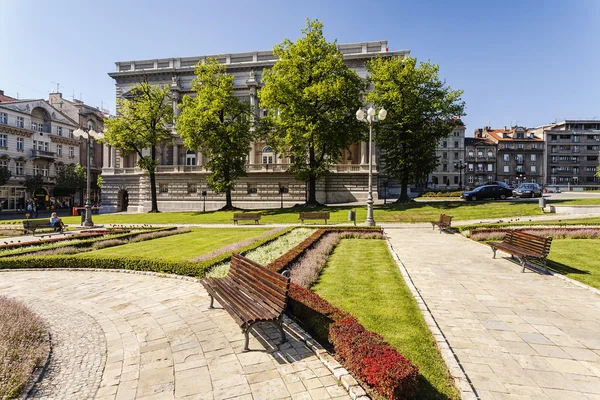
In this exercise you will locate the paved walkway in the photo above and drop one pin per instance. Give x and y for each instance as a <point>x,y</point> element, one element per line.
<point>516,335</point>
<point>127,335</point>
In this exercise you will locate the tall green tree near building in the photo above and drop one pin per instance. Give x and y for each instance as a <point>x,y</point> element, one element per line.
<point>69,180</point>
<point>218,124</point>
<point>143,123</point>
<point>5,175</point>
<point>422,109</point>
<point>311,97</point>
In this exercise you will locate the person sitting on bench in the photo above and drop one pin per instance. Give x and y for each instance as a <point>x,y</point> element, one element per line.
<point>56,223</point>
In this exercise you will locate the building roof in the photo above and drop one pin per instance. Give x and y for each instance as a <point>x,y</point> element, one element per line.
<point>4,98</point>
<point>475,141</point>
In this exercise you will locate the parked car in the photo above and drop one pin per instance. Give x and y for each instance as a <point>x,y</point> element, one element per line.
<point>528,190</point>
<point>488,192</point>
<point>500,183</point>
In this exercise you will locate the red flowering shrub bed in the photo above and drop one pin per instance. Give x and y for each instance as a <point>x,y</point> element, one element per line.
<point>362,352</point>
<point>83,235</point>
<point>483,234</point>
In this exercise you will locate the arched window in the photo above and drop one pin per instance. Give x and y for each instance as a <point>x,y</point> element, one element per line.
<point>267,154</point>
<point>190,158</point>
<point>91,125</point>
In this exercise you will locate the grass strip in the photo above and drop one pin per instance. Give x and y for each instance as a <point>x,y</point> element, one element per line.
<point>577,259</point>
<point>362,278</point>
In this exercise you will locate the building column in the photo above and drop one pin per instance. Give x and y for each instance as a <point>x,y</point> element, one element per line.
<point>363,153</point>
<point>106,156</point>
<point>113,157</point>
<point>175,156</point>
<point>199,158</point>
<point>252,154</point>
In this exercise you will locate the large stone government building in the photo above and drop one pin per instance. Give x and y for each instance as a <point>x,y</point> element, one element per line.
<point>181,173</point>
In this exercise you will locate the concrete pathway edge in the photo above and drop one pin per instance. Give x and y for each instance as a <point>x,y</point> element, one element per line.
<point>344,378</point>
<point>461,380</point>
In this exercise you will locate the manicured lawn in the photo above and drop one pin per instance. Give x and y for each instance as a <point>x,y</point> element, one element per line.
<point>420,211</point>
<point>591,201</point>
<point>182,247</point>
<point>578,259</point>
<point>362,278</point>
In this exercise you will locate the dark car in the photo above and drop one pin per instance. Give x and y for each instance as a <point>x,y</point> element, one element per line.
<point>528,190</point>
<point>500,183</point>
<point>487,192</point>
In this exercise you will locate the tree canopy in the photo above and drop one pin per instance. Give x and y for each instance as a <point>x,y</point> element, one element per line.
<point>144,122</point>
<point>33,183</point>
<point>70,179</point>
<point>422,109</point>
<point>311,97</point>
<point>5,175</point>
<point>218,124</point>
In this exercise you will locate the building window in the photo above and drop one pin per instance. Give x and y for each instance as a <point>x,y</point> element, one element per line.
<point>470,167</point>
<point>36,169</point>
<point>71,133</point>
<point>470,179</point>
<point>507,145</point>
<point>533,157</point>
<point>4,163</point>
<point>59,149</point>
<point>506,168</point>
<point>456,180</point>
<point>479,153</point>
<point>444,144</point>
<point>506,157</point>
<point>490,178</point>
<point>267,155</point>
<point>91,125</point>
<point>45,170</point>
<point>192,188</point>
<point>456,144</point>
<point>190,158</point>
<point>3,140</point>
<point>445,167</point>
<point>20,122</point>
<point>46,146</point>
<point>471,153</point>
<point>20,143</point>
<point>252,189</point>
<point>3,118</point>
<point>71,152</point>
<point>445,155</point>
<point>490,154</point>
<point>534,146</point>
<point>19,168</point>
<point>520,146</point>
<point>59,130</point>
<point>533,169</point>
<point>490,167</point>
<point>456,155</point>
<point>163,188</point>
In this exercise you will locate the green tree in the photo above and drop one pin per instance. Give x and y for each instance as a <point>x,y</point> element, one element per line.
<point>5,175</point>
<point>33,183</point>
<point>70,179</point>
<point>311,97</point>
<point>598,171</point>
<point>422,109</point>
<point>143,122</point>
<point>218,124</point>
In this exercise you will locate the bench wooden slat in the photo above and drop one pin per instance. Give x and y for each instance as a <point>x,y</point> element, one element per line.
<point>525,246</point>
<point>324,215</point>
<point>251,294</point>
<point>246,217</point>
<point>444,222</point>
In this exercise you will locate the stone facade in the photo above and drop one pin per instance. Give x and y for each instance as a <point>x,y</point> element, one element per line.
<point>126,187</point>
<point>35,139</point>
<point>480,160</point>
<point>450,152</point>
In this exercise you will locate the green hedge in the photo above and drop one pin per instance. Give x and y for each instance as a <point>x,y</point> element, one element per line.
<point>442,194</point>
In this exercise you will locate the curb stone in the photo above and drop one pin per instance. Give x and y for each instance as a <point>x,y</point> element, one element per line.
<point>461,380</point>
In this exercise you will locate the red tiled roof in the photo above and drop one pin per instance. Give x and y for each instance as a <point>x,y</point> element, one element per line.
<point>6,99</point>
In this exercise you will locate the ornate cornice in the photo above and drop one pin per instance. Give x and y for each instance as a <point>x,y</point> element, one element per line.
<point>64,140</point>
<point>16,131</point>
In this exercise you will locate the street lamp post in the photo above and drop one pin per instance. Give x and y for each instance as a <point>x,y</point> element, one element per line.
<point>89,135</point>
<point>460,166</point>
<point>370,118</point>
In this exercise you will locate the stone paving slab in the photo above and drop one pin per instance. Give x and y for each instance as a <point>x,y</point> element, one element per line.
<point>516,335</point>
<point>127,336</point>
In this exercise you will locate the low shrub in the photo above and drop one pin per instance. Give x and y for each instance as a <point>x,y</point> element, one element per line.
<point>486,234</point>
<point>362,352</point>
<point>23,346</point>
<point>442,194</point>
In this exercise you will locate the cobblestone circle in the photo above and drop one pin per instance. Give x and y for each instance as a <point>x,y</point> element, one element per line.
<point>78,353</point>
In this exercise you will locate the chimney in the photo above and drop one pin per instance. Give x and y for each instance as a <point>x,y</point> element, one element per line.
<point>1,92</point>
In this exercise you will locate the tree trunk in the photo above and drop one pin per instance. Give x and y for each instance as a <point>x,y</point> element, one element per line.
<point>228,202</point>
<point>152,173</point>
<point>312,181</point>
<point>404,197</point>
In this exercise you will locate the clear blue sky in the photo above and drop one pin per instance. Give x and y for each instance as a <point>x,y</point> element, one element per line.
<point>529,61</point>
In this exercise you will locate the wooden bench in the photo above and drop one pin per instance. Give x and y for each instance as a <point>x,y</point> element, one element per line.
<point>324,215</point>
<point>30,225</point>
<point>526,247</point>
<point>246,217</point>
<point>251,294</point>
<point>443,223</point>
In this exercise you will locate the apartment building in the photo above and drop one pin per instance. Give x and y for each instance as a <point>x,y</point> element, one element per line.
<point>451,153</point>
<point>35,139</point>
<point>480,160</point>
<point>572,153</point>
